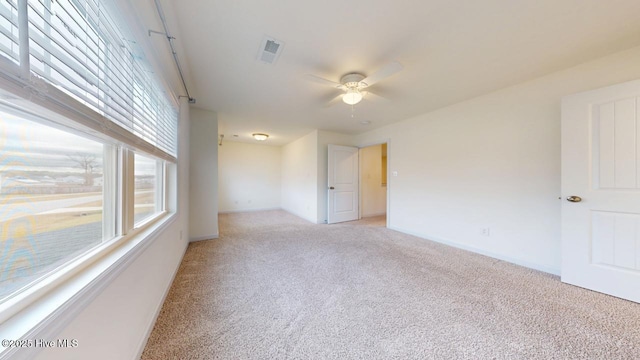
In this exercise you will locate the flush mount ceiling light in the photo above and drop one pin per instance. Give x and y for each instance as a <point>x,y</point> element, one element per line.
<point>260,136</point>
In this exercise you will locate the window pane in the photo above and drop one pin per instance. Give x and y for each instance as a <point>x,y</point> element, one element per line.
<point>146,192</point>
<point>9,30</point>
<point>50,199</point>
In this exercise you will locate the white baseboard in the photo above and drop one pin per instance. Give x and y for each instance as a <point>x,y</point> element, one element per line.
<point>527,264</point>
<point>201,238</point>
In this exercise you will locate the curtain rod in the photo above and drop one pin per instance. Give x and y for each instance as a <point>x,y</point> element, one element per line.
<point>173,51</point>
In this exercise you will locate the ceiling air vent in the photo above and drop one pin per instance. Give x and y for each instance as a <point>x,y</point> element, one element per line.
<point>270,50</point>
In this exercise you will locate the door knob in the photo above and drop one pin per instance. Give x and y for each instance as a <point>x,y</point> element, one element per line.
<point>331,188</point>
<point>574,199</point>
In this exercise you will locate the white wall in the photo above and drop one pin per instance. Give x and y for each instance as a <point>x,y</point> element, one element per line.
<point>373,195</point>
<point>115,324</point>
<point>300,177</point>
<point>249,176</point>
<point>324,139</point>
<point>493,161</point>
<point>203,179</point>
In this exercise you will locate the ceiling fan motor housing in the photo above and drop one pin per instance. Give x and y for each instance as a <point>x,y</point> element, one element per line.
<point>353,81</point>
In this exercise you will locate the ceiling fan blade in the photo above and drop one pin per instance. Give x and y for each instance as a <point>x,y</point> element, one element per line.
<point>322,81</point>
<point>334,101</point>
<point>386,71</point>
<point>368,95</point>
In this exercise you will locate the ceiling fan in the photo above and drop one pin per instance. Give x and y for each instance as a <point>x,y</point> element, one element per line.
<point>354,84</point>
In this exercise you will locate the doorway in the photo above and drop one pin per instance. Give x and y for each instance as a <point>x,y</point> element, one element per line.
<point>373,184</point>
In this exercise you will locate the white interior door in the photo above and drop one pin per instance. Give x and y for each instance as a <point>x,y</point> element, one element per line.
<point>343,184</point>
<point>601,165</point>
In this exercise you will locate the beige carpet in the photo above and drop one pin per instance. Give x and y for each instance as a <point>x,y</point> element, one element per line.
<point>276,287</point>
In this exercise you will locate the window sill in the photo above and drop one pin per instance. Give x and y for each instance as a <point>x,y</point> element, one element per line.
<point>48,314</point>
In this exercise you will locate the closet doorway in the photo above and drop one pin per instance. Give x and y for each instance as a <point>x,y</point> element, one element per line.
<point>373,184</point>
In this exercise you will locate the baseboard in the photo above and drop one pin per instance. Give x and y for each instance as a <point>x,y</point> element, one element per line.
<point>201,238</point>
<point>248,210</point>
<point>520,262</point>
<point>145,339</point>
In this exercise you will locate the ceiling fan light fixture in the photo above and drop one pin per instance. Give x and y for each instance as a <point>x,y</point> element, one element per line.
<point>352,97</point>
<point>260,136</point>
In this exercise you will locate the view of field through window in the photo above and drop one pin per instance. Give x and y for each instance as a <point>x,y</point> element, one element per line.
<point>145,187</point>
<point>51,199</point>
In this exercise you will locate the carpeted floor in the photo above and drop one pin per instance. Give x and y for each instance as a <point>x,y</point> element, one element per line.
<point>277,287</point>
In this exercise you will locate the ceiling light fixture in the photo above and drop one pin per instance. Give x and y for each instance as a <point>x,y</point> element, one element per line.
<point>352,97</point>
<point>260,137</point>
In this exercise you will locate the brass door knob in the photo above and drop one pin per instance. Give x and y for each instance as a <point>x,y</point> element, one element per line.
<point>574,198</point>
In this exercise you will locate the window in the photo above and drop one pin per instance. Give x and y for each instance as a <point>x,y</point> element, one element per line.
<point>51,197</point>
<point>86,133</point>
<point>148,185</point>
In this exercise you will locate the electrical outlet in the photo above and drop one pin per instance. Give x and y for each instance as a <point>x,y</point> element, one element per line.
<point>486,231</point>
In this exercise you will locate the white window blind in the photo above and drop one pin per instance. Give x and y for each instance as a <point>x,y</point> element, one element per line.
<point>9,29</point>
<point>81,48</point>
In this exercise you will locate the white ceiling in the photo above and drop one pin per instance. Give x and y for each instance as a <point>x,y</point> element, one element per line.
<point>451,51</point>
